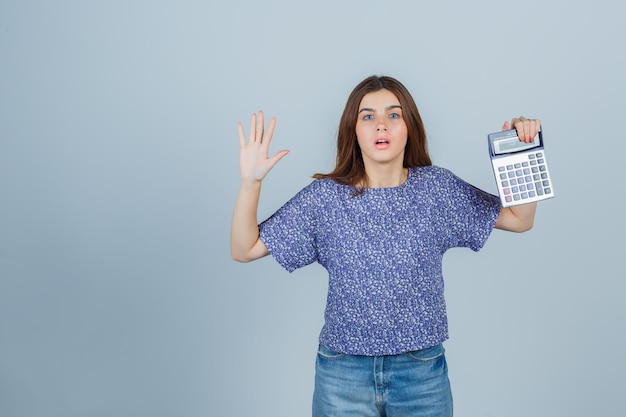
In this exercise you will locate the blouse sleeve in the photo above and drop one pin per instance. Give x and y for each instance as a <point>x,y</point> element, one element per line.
<point>290,233</point>
<point>473,215</point>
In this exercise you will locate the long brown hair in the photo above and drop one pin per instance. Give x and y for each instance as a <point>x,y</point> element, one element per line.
<point>350,169</point>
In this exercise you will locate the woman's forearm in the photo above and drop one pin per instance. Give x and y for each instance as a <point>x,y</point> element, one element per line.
<point>244,231</point>
<point>517,218</point>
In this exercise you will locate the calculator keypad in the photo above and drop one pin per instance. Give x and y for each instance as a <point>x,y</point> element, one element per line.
<point>523,178</point>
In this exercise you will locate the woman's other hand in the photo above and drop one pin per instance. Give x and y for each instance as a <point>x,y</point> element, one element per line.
<point>254,160</point>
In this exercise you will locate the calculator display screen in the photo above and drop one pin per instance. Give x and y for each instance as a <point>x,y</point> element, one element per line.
<point>512,144</point>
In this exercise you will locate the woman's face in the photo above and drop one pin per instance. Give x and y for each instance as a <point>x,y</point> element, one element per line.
<point>380,129</point>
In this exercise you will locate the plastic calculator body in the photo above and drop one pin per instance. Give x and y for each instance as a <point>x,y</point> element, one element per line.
<point>520,168</point>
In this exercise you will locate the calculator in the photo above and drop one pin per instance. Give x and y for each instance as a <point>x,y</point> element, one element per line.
<point>520,168</point>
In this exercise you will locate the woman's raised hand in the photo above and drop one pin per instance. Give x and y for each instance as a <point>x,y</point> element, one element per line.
<point>527,129</point>
<point>254,160</point>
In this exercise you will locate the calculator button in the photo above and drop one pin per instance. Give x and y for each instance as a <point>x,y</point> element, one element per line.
<point>524,164</point>
<point>502,176</point>
<point>524,196</point>
<point>533,162</point>
<point>516,197</point>
<point>505,183</point>
<point>534,170</point>
<point>539,154</point>
<point>547,190</point>
<point>536,177</point>
<point>509,167</point>
<point>531,194</point>
<point>522,188</point>
<point>506,191</point>
<point>542,168</point>
<point>513,181</point>
<point>508,199</point>
<point>515,189</point>
<point>518,173</point>
<point>531,156</point>
<point>511,174</point>
<point>500,169</point>
<point>538,188</point>
<point>528,178</point>
<point>540,161</point>
<point>518,165</point>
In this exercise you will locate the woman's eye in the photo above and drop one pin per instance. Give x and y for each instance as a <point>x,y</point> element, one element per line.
<point>394,116</point>
<point>368,117</point>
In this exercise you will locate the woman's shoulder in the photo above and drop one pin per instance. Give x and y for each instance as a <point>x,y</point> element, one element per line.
<point>322,188</point>
<point>434,177</point>
<point>323,184</point>
<point>432,171</point>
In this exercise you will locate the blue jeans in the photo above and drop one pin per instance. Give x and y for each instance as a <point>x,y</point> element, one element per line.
<point>410,384</point>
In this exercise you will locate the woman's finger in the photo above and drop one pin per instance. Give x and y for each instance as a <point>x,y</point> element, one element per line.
<point>535,126</point>
<point>277,157</point>
<point>522,125</point>
<point>252,133</point>
<point>242,135</point>
<point>259,128</point>
<point>267,137</point>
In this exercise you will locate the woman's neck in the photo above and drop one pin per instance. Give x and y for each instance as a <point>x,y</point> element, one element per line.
<point>386,177</point>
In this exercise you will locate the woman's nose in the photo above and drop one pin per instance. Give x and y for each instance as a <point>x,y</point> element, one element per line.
<point>381,126</point>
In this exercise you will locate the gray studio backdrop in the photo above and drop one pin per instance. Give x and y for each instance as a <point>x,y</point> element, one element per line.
<point>119,170</point>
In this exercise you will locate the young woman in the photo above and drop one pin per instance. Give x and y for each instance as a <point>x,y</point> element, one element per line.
<point>379,223</point>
